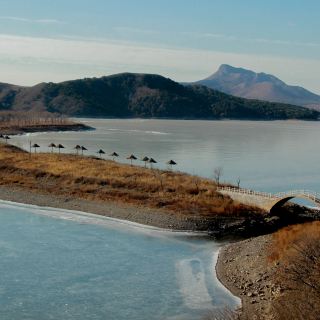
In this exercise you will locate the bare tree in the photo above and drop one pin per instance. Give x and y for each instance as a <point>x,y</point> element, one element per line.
<point>217,173</point>
<point>238,182</point>
<point>196,181</point>
<point>158,175</point>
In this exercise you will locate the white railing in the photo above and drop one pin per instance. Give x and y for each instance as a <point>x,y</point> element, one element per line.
<point>246,191</point>
<point>294,193</point>
<point>315,196</point>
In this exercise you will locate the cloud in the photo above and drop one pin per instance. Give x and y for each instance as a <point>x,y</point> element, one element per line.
<point>28,60</point>
<point>41,21</point>
<point>208,35</point>
<point>135,30</point>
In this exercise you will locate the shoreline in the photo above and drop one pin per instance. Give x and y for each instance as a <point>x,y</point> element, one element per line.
<point>20,130</point>
<point>92,218</point>
<point>133,213</point>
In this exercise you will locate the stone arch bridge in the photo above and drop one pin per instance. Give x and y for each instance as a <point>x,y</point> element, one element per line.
<point>268,201</point>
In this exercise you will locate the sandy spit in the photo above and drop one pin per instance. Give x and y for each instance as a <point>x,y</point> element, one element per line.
<point>142,215</point>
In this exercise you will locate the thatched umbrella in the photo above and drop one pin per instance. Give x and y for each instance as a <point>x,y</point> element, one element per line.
<point>83,149</point>
<point>101,152</point>
<point>52,145</point>
<point>35,146</point>
<point>7,138</point>
<point>152,161</point>
<point>77,147</point>
<point>60,146</point>
<point>171,163</point>
<point>145,160</point>
<point>113,155</point>
<point>132,157</point>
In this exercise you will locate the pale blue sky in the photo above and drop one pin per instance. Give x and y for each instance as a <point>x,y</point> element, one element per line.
<point>54,40</point>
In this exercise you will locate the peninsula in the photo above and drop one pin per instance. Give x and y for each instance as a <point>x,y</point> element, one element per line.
<point>19,122</point>
<point>160,198</point>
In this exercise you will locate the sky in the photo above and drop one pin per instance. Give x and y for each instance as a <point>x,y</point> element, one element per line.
<point>186,40</point>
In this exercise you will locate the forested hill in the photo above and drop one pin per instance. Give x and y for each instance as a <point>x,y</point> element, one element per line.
<point>142,95</point>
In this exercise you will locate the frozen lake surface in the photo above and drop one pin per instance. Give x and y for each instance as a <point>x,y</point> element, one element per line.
<point>58,264</point>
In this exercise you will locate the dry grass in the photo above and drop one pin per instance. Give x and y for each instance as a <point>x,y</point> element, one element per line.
<point>296,251</point>
<point>103,180</point>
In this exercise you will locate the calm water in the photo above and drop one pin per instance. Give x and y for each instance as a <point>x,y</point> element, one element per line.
<point>74,266</point>
<point>58,264</point>
<point>268,156</point>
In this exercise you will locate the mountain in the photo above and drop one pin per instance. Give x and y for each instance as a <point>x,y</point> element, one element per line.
<point>141,95</point>
<point>248,84</point>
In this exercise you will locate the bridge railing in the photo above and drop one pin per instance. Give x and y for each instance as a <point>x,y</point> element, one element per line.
<point>246,191</point>
<point>293,193</point>
<point>315,196</point>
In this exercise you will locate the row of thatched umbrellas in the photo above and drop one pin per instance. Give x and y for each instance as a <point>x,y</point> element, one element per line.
<point>114,155</point>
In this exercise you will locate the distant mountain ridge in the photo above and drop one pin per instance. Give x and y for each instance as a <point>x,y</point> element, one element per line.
<point>251,85</point>
<point>130,95</point>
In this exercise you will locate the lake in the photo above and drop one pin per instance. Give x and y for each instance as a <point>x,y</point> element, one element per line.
<point>71,265</point>
<point>268,156</point>
<point>58,264</point>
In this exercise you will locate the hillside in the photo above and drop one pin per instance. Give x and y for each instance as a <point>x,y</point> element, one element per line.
<point>248,84</point>
<point>142,95</point>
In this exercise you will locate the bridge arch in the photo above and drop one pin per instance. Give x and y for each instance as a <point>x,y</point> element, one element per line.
<point>281,200</point>
<point>268,201</point>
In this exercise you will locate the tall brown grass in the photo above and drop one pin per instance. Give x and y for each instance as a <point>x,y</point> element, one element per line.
<point>296,250</point>
<point>104,180</point>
